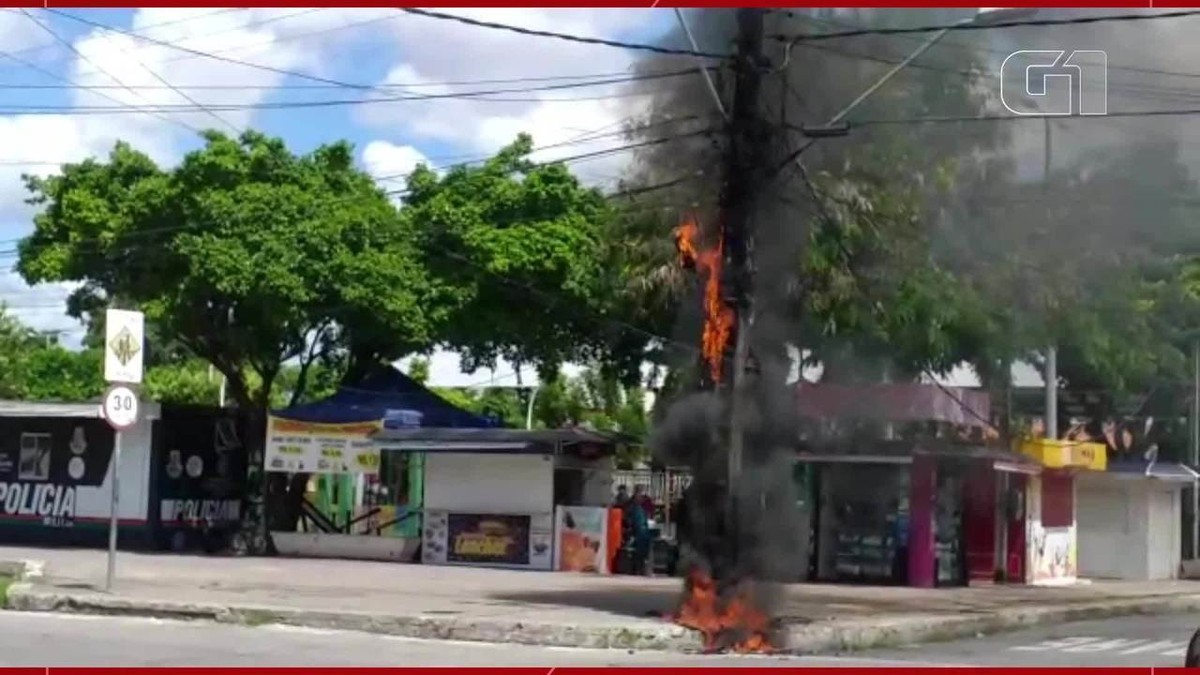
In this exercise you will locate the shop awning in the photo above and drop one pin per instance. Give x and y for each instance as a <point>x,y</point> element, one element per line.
<point>585,442</point>
<point>1165,471</point>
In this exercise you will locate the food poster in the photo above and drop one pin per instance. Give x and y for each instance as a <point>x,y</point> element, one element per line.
<point>582,539</point>
<point>488,538</point>
<point>307,447</point>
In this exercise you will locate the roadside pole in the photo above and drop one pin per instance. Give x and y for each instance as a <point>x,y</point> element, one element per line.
<point>123,358</point>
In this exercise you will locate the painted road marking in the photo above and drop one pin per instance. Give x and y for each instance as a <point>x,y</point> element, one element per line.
<point>1095,645</point>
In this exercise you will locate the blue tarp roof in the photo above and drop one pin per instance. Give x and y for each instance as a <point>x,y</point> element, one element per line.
<point>389,395</point>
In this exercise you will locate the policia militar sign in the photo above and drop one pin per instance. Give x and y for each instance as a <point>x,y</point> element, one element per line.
<point>46,461</point>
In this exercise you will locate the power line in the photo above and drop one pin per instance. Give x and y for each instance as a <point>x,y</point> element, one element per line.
<point>52,74</point>
<point>1016,118</point>
<point>154,74</point>
<point>564,160</point>
<point>563,36</point>
<point>483,95</point>
<point>987,26</point>
<point>37,49</point>
<point>1167,93</point>
<point>967,47</point>
<point>209,55</point>
<point>305,87</point>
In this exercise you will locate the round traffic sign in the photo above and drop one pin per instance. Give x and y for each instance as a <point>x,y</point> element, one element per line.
<point>120,407</point>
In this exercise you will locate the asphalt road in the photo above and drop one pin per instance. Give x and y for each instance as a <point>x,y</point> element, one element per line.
<point>66,640</point>
<point>1157,641</point>
<point>61,640</point>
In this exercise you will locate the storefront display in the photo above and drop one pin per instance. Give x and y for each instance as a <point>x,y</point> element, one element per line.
<point>948,529</point>
<point>864,527</point>
<point>582,539</point>
<point>488,539</point>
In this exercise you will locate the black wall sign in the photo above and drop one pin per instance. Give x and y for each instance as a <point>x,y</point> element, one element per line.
<point>42,462</point>
<point>199,465</point>
<point>488,538</point>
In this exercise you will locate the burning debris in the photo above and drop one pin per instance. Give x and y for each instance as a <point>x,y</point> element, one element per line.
<point>730,620</point>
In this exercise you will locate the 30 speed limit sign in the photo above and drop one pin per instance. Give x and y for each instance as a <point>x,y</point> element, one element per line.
<point>120,407</point>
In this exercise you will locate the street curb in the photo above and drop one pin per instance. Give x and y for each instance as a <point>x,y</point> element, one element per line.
<point>815,638</point>
<point>894,631</point>
<point>26,597</point>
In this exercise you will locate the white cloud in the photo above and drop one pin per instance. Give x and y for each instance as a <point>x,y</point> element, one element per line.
<point>40,307</point>
<point>386,160</point>
<point>481,127</point>
<point>122,70</point>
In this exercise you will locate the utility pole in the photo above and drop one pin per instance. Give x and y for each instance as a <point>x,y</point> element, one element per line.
<point>743,175</point>
<point>1051,368</point>
<point>1195,424</point>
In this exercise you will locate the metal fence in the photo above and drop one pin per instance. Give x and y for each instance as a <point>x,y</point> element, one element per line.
<point>664,486</point>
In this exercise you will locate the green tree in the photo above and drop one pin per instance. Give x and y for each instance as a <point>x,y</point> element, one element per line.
<point>246,254</point>
<point>520,251</point>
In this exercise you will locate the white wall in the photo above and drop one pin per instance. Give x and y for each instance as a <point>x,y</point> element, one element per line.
<point>1164,508</point>
<point>489,483</point>
<point>1111,517</point>
<point>1128,528</point>
<point>134,483</point>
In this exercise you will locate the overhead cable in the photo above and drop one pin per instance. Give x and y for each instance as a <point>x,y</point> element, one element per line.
<point>562,36</point>
<point>988,26</point>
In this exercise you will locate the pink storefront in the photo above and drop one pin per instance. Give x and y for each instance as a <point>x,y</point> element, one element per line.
<point>931,503</point>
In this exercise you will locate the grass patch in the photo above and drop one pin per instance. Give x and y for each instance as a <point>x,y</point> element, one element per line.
<point>6,580</point>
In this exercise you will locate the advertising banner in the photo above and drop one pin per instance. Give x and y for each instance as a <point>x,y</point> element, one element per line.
<point>582,536</point>
<point>488,538</point>
<point>498,540</point>
<point>308,447</point>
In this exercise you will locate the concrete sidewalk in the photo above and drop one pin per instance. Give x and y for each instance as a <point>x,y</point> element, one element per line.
<point>545,608</point>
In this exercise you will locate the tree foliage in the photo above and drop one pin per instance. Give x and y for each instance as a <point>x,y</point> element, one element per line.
<point>521,248</point>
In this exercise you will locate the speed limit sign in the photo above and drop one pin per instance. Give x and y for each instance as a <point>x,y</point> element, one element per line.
<point>120,407</point>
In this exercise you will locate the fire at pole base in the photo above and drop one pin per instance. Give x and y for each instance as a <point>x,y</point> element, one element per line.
<point>726,623</point>
<point>719,599</point>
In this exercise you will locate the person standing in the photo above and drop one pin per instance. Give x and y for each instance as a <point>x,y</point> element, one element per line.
<point>639,530</point>
<point>644,501</point>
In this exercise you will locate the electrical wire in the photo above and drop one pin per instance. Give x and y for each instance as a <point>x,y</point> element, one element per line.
<point>562,36</point>
<point>153,73</point>
<point>483,95</point>
<point>210,55</point>
<point>565,160</point>
<point>49,73</point>
<point>987,26</point>
<point>952,119</point>
<point>973,48</point>
<point>38,49</point>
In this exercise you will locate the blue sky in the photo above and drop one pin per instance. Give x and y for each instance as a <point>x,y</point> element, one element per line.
<point>63,71</point>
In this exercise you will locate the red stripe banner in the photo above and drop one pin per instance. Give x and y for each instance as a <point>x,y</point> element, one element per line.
<point>690,670</point>
<point>591,671</point>
<point>1091,4</point>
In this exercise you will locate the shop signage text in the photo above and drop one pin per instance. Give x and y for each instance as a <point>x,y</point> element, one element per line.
<point>213,510</point>
<point>55,504</point>
<point>488,538</point>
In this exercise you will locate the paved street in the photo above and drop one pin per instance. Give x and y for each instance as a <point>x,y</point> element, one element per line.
<point>1126,642</point>
<point>73,640</point>
<point>69,640</point>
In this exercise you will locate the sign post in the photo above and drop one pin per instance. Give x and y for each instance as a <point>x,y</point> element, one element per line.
<point>123,359</point>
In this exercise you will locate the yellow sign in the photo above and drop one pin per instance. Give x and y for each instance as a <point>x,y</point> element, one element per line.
<point>307,447</point>
<point>1054,454</point>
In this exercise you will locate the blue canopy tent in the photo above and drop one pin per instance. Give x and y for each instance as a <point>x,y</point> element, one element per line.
<point>391,396</point>
<point>386,395</point>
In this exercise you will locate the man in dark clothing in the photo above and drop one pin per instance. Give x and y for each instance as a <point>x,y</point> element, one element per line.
<point>622,498</point>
